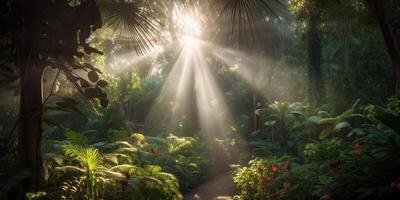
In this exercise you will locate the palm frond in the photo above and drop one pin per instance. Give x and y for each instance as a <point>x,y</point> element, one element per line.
<point>244,15</point>
<point>87,156</point>
<point>134,21</point>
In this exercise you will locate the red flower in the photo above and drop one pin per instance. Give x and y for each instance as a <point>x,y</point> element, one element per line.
<point>273,169</point>
<point>325,197</point>
<point>286,186</point>
<point>264,180</point>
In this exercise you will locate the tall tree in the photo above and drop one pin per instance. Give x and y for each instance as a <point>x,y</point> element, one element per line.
<point>49,34</point>
<point>390,39</point>
<point>316,84</point>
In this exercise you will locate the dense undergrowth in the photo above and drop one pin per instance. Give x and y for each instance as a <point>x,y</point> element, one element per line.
<point>302,153</point>
<point>354,155</point>
<point>134,166</point>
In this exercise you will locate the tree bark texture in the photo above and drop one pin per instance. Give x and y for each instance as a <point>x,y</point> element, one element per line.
<point>30,136</point>
<point>31,100</point>
<point>390,40</point>
<point>316,84</point>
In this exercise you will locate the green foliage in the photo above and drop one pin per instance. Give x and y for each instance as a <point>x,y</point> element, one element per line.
<point>134,167</point>
<point>339,123</point>
<point>275,178</point>
<point>35,196</point>
<point>327,149</point>
<point>281,116</point>
<point>361,163</point>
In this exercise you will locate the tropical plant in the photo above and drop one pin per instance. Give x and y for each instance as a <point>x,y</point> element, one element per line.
<point>89,167</point>
<point>276,178</point>
<point>369,170</point>
<point>280,116</point>
<point>339,123</point>
<point>129,167</point>
<point>148,182</point>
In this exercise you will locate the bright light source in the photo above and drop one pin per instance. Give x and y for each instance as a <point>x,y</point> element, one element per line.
<point>188,29</point>
<point>190,26</point>
<point>189,41</point>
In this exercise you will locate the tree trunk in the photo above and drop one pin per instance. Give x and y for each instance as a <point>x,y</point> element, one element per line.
<point>255,116</point>
<point>31,110</point>
<point>316,84</point>
<point>390,40</point>
<point>346,37</point>
<point>26,34</point>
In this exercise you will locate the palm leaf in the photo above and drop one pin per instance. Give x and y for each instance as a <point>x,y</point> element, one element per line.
<point>135,21</point>
<point>88,157</point>
<point>243,17</point>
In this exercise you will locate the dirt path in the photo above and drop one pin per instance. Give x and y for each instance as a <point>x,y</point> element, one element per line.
<point>219,188</point>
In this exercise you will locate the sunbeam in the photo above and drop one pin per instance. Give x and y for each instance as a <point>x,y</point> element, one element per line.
<point>214,115</point>
<point>249,68</point>
<point>191,89</point>
<point>172,100</point>
<point>120,63</point>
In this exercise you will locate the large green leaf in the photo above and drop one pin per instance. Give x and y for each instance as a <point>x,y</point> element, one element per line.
<point>342,126</point>
<point>153,169</point>
<point>388,117</point>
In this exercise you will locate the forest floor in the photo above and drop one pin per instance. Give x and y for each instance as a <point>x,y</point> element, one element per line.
<point>218,188</point>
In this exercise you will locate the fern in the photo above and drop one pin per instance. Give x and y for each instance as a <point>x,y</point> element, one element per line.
<point>75,137</point>
<point>88,157</point>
